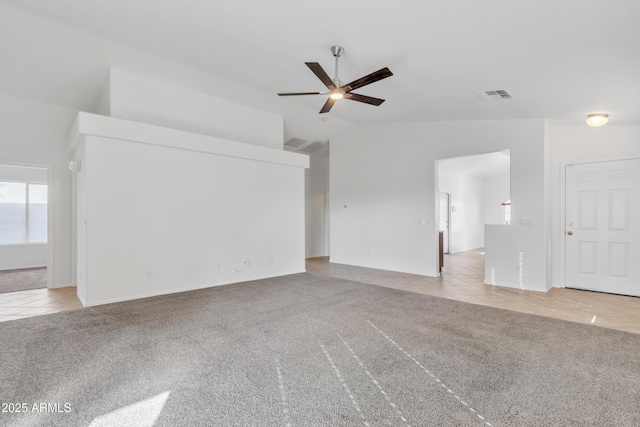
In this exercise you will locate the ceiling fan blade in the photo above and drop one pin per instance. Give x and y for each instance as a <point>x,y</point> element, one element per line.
<point>321,74</point>
<point>382,73</point>
<point>327,105</point>
<point>298,93</point>
<point>363,98</point>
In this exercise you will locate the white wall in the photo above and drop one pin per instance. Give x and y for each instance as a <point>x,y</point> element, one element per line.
<point>23,256</point>
<point>236,111</point>
<point>23,174</point>
<point>317,204</point>
<point>104,103</point>
<point>579,144</point>
<point>511,260</point>
<point>385,176</point>
<point>187,208</point>
<point>143,99</point>
<point>79,217</point>
<point>495,191</point>
<point>466,227</point>
<point>35,119</point>
<point>36,133</point>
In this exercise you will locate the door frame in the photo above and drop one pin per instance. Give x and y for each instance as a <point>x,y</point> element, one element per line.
<point>448,231</point>
<point>563,205</point>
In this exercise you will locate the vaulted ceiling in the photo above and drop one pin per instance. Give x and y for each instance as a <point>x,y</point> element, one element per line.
<point>559,59</point>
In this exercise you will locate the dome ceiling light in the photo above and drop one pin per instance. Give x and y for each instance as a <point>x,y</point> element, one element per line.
<point>597,119</point>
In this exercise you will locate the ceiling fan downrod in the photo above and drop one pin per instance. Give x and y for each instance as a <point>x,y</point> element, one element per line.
<point>337,51</point>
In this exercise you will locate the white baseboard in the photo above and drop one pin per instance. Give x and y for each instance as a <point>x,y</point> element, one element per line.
<point>517,287</point>
<point>178,290</point>
<point>62,285</point>
<point>22,267</point>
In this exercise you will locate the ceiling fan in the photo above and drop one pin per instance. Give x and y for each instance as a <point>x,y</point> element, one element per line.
<point>337,90</point>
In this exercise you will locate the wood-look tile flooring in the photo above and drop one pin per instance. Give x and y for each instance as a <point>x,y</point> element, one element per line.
<point>461,279</point>
<point>35,302</point>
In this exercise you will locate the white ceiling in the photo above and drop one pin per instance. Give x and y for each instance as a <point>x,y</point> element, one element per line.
<point>560,59</point>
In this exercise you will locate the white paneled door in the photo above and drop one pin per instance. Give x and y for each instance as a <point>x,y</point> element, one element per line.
<point>602,229</point>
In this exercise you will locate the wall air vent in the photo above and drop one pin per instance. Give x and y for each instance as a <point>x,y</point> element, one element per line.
<point>314,146</point>
<point>492,95</point>
<point>298,145</point>
<point>295,142</point>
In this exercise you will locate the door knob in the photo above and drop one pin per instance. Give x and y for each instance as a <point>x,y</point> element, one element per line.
<point>570,233</point>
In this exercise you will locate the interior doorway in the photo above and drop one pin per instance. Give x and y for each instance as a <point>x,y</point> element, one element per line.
<point>25,229</point>
<point>472,192</point>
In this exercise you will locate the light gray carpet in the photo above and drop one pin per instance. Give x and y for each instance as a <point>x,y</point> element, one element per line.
<point>304,350</point>
<point>23,279</point>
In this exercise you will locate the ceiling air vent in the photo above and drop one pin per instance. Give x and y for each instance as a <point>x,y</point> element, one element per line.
<point>314,146</point>
<point>295,142</point>
<point>491,95</point>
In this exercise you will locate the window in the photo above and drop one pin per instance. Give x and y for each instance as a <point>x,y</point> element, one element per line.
<point>23,212</point>
<point>506,212</point>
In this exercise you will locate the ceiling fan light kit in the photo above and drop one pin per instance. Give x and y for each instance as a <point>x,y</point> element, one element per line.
<point>337,90</point>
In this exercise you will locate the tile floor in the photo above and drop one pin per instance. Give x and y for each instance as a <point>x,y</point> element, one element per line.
<point>462,279</point>
<point>17,305</point>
